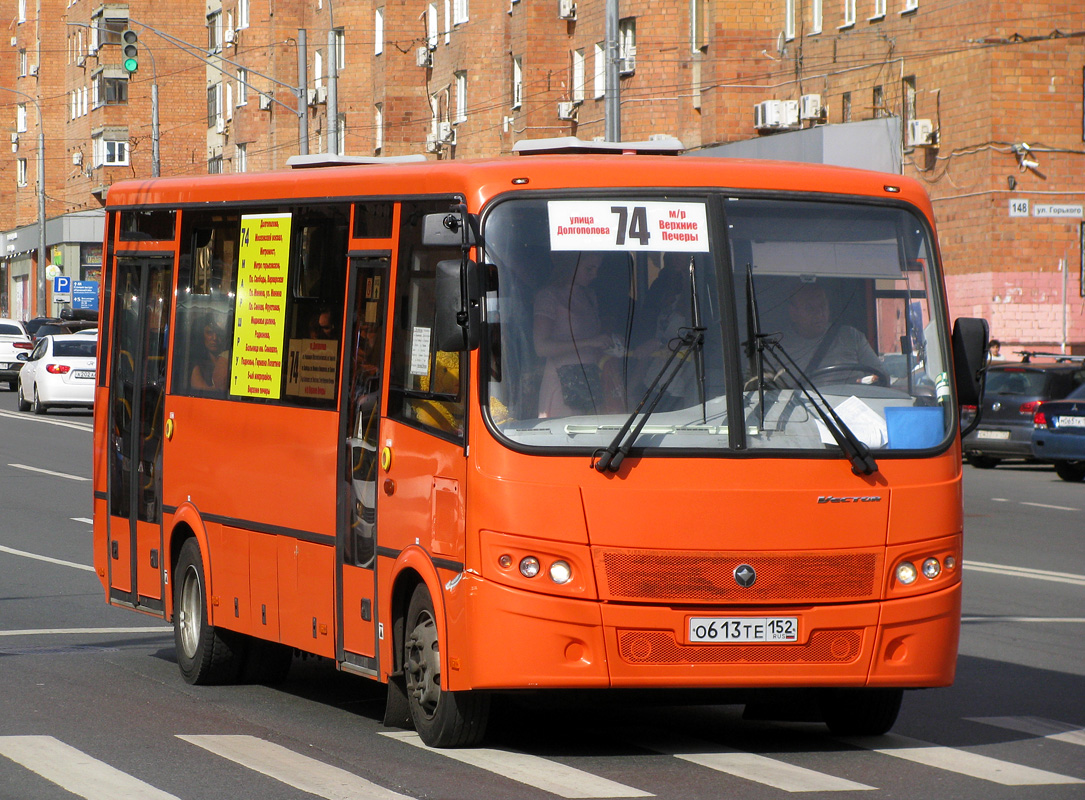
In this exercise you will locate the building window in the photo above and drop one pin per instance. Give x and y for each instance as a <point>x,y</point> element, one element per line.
<point>461,97</point>
<point>789,19</point>
<point>214,165</point>
<point>600,69</point>
<point>110,89</point>
<point>242,14</point>
<point>910,5</point>
<point>340,49</point>
<point>431,26</point>
<point>378,128</point>
<point>627,45</point>
<point>849,13</point>
<point>517,82</point>
<point>318,69</point>
<point>879,9</point>
<point>845,107</point>
<point>214,104</point>
<point>877,101</point>
<point>378,31</point>
<point>214,32</point>
<point>578,76</point>
<point>22,11</point>
<point>20,118</point>
<point>241,158</point>
<point>242,86</point>
<point>907,101</point>
<point>20,177</point>
<point>21,69</point>
<point>815,16</point>
<point>110,150</point>
<point>459,12</point>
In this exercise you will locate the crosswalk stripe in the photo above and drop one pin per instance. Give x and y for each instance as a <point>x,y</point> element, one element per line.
<point>293,769</point>
<point>75,771</point>
<point>962,762</point>
<point>751,766</point>
<point>1049,729</point>
<point>541,773</point>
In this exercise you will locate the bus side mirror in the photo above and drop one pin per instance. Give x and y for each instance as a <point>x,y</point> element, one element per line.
<point>446,230</point>
<point>457,318</point>
<point>970,337</point>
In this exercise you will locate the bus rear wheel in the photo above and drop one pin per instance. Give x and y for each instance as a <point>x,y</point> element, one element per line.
<point>205,654</point>
<point>442,718</point>
<point>860,712</point>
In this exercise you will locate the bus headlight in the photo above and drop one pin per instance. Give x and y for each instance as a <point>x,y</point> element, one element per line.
<point>906,573</point>
<point>529,566</point>
<point>561,572</point>
<point>931,568</point>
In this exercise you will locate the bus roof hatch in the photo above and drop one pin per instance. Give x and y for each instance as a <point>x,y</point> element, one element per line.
<point>661,146</point>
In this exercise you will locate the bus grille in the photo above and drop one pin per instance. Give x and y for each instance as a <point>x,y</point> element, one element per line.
<point>675,576</point>
<point>659,647</point>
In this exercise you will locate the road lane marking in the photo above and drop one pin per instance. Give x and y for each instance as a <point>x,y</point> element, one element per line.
<point>1026,572</point>
<point>64,423</point>
<point>753,767</point>
<point>75,771</point>
<point>1035,505</point>
<point>83,519</point>
<point>50,472</point>
<point>962,762</point>
<point>541,773</point>
<point>78,631</point>
<point>1056,620</point>
<point>293,769</point>
<point>1049,729</point>
<point>37,557</point>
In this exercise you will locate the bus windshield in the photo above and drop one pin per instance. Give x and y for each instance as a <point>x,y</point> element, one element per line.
<point>734,324</point>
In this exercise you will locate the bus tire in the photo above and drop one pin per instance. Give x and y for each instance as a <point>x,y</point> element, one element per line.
<point>205,654</point>
<point>860,712</point>
<point>441,718</point>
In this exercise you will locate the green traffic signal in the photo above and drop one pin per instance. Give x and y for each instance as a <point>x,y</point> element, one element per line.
<point>130,50</point>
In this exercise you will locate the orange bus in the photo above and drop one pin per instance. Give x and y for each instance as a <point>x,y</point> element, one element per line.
<point>577,421</point>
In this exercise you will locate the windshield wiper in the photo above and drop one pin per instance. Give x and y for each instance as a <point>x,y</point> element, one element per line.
<point>610,458</point>
<point>862,462</point>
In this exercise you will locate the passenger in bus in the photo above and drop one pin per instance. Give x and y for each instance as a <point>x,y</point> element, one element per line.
<point>322,325</point>
<point>815,342</point>
<point>210,362</point>
<point>569,336</point>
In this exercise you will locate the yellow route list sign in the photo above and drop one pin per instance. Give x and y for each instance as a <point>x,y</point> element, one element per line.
<point>260,308</point>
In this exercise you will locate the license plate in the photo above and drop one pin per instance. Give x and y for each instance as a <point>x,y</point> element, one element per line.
<point>992,434</point>
<point>1071,422</point>
<point>726,630</point>
<point>83,373</point>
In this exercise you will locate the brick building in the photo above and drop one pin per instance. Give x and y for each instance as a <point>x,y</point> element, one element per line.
<point>967,83</point>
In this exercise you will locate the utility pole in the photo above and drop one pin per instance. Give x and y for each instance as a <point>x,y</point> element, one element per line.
<point>303,104</point>
<point>39,272</point>
<point>333,81</point>
<point>612,107</point>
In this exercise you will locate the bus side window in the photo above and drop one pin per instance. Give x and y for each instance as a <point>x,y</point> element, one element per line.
<point>427,385</point>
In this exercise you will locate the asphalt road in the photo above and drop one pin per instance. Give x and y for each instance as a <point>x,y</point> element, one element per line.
<point>93,706</point>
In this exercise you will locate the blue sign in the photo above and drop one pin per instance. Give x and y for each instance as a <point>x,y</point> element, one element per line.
<point>84,295</point>
<point>62,284</point>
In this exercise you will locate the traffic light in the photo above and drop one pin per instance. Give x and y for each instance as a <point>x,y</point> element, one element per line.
<point>130,50</point>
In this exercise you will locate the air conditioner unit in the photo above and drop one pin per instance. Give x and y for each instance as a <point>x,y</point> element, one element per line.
<point>77,158</point>
<point>80,61</point>
<point>14,41</point>
<point>322,94</point>
<point>433,144</point>
<point>567,110</point>
<point>14,138</point>
<point>791,113</point>
<point>423,57</point>
<point>566,9</point>
<point>921,133</point>
<point>768,115</point>
<point>310,97</point>
<point>450,137</point>
<point>265,102</point>
<point>810,106</point>
<point>33,70</point>
<point>220,125</point>
<point>444,131</point>
<point>228,36</point>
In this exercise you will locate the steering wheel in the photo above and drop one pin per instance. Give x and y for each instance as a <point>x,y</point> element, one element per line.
<point>850,373</point>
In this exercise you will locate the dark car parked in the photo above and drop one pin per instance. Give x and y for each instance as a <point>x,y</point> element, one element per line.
<point>63,327</point>
<point>1012,395</point>
<point>1058,434</point>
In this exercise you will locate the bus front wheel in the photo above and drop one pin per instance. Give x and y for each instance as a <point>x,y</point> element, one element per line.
<point>205,654</point>
<point>442,718</point>
<point>860,712</point>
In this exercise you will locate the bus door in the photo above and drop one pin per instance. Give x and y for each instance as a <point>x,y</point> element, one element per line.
<point>141,306</point>
<point>360,423</point>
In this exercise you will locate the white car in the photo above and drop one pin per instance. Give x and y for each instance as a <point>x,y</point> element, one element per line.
<point>58,372</point>
<point>13,340</point>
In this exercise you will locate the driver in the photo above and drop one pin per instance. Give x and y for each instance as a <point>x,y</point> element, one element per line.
<point>815,342</point>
